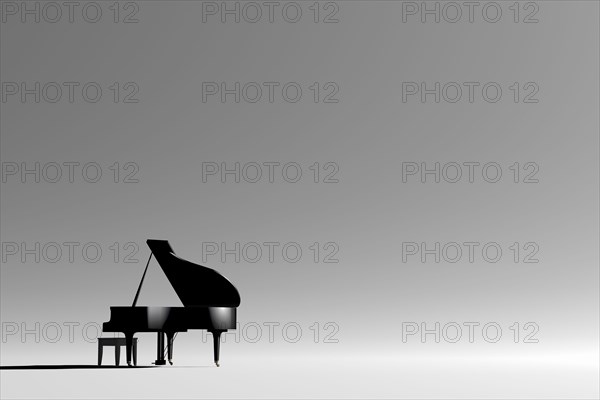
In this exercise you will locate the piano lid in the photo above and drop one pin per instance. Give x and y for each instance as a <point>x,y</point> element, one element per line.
<point>194,284</point>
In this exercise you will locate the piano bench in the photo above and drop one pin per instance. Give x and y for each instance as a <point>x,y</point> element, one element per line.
<point>117,342</point>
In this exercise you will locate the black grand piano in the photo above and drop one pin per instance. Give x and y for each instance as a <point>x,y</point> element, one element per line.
<point>209,302</point>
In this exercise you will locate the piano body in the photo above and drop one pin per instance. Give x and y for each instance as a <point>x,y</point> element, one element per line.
<point>209,300</point>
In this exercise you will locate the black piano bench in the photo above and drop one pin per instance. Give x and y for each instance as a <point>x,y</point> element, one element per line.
<point>117,343</point>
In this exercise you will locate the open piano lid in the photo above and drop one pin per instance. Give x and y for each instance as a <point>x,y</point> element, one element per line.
<point>194,284</point>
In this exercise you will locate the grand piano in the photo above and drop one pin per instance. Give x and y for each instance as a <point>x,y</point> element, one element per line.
<point>209,300</point>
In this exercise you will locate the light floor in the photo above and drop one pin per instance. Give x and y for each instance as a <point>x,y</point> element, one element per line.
<point>252,376</point>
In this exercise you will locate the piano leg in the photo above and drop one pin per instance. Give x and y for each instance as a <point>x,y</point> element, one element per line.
<point>217,344</point>
<point>160,349</point>
<point>100,353</point>
<point>128,346</point>
<point>117,355</point>
<point>170,347</point>
<point>135,352</point>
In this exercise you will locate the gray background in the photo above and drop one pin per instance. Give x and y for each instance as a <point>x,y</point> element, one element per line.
<point>369,213</point>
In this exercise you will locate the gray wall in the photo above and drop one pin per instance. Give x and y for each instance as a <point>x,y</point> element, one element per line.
<point>167,132</point>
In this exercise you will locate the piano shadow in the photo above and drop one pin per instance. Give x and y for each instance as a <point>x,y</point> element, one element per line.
<point>67,366</point>
<point>91,366</point>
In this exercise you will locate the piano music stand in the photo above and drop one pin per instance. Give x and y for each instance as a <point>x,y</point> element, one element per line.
<point>117,342</point>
